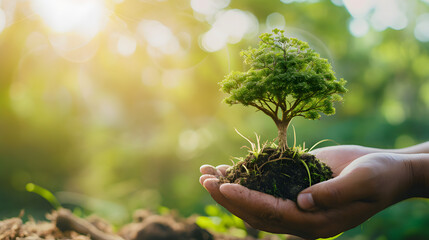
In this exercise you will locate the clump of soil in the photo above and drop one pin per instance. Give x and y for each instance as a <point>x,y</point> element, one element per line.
<point>280,173</point>
<point>149,226</point>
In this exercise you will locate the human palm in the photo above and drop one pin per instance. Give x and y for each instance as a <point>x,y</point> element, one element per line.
<point>330,207</point>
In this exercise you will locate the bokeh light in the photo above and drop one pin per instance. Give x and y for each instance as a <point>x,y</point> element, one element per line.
<point>126,45</point>
<point>84,17</point>
<point>298,1</point>
<point>275,20</point>
<point>2,20</point>
<point>209,7</point>
<point>230,26</point>
<point>421,31</point>
<point>158,36</point>
<point>381,14</point>
<point>358,27</point>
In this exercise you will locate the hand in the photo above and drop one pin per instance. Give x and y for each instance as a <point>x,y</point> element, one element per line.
<point>361,189</point>
<point>339,157</point>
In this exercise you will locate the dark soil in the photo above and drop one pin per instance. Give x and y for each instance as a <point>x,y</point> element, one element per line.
<point>146,226</point>
<point>281,174</point>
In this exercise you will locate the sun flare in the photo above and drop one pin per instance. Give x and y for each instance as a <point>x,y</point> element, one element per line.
<point>83,17</point>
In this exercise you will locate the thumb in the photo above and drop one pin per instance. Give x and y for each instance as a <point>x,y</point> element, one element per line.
<point>333,193</point>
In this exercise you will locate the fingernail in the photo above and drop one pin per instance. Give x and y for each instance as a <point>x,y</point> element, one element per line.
<point>306,201</point>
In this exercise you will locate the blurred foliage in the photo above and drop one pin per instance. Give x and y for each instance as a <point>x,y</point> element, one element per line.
<point>219,221</point>
<point>123,118</point>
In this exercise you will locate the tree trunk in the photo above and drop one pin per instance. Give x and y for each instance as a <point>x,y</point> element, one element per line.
<point>282,134</point>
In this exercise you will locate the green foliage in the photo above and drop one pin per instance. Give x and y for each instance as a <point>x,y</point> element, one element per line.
<point>286,79</point>
<point>222,222</point>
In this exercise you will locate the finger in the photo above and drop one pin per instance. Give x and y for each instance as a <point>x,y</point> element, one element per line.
<point>282,216</point>
<point>338,191</point>
<point>205,177</point>
<point>260,210</point>
<point>208,169</point>
<point>222,169</point>
<point>236,208</point>
<point>212,185</point>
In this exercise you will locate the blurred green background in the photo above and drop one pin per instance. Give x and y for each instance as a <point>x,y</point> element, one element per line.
<point>114,104</point>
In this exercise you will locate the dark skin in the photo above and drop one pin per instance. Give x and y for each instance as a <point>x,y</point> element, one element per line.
<point>366,181</point>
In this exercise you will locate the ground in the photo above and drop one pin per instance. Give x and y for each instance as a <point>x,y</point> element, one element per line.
<point>63,224</point>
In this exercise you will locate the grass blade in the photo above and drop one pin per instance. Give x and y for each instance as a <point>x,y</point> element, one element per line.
<point>251,143</point>
<point>308,171</point>
<point>44,193</point>
<point>322,141</point>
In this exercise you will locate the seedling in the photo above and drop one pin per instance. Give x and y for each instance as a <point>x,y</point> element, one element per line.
<point>286,79</point>
<point>44,193</point>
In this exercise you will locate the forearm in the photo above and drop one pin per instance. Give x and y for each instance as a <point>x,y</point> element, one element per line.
<point>419,148</point>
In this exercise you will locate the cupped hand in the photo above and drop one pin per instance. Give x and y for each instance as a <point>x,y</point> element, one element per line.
<point>339,157</point>
<point>361,188</point>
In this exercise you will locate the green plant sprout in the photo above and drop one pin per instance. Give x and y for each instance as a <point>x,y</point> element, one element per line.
<point>44,193</point>
<point>255,148</point>
<point>286,79</point>
<point>308,172</point>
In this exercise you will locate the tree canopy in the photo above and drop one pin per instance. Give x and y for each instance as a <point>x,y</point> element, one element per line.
<point>286,79</point>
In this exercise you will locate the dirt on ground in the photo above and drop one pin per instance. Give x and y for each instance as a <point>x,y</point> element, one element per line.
<point>63,224</point>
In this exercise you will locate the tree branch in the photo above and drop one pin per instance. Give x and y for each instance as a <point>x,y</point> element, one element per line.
<point>312,107</point>
<point>264,110</point>
<point>263,102</point>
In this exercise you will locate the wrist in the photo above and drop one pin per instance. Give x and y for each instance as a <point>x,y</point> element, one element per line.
<point>418,165</point>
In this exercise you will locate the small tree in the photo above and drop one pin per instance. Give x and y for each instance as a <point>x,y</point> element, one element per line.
<point>286,79</point>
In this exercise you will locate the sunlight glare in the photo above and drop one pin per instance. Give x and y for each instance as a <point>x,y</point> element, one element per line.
<point>84,17</point>
<point>2,20</point>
